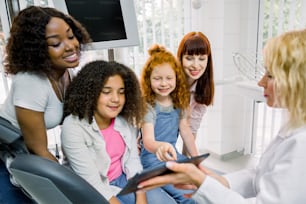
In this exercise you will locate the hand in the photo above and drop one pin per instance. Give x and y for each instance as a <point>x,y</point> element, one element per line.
<point>166,152</point>
<point>184,176</point>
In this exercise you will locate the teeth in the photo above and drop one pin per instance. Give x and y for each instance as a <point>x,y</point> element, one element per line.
<point>71,56</point>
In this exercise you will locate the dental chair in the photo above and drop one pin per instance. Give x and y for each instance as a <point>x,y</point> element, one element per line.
<point>43,180</point>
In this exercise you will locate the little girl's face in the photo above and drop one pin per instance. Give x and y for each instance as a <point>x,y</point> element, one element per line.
<point>163,79</point>
<point>111,99</point>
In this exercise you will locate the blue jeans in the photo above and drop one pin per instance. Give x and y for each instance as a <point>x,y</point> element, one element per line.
<point>154,196</point>
<point>10,194</point>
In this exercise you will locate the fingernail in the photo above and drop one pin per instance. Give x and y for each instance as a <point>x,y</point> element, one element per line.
<point>169,164</point>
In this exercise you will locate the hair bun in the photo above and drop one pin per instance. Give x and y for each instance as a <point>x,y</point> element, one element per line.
<point>156,48</point>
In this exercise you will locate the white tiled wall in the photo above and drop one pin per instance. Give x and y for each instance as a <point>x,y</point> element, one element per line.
<point>229,25</point>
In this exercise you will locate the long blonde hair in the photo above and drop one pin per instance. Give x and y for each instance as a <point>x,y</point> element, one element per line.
<point>285,59</point>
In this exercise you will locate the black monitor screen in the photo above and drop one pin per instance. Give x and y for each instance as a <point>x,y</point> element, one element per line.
<point>102,18</point>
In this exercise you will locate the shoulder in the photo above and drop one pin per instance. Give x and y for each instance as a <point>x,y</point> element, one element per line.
<point>292,144</point>
<point>72,120</point>
<point>124,127</point>
<point>24,79</point>
<point>29,75</point>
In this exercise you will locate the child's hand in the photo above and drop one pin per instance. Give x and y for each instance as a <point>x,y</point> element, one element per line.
<point>166,152</point>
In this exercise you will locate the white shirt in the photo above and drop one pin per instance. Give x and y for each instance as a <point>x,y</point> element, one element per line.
<point>280,177</point>
<point>196,111</point>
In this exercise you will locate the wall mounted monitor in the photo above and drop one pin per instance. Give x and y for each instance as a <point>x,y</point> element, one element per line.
<point>110,23</point>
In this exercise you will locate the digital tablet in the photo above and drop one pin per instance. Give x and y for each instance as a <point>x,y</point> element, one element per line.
<point>133,182</point>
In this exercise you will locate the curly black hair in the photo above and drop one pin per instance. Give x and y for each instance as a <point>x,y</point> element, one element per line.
<point>83,92</point>
<point>27,47</point>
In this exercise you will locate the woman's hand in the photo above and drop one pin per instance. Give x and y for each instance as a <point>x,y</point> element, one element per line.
<point>166,152</point>
<point>185,176</point>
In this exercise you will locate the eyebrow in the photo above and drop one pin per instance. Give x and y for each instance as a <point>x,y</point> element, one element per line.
<point>56,35</point>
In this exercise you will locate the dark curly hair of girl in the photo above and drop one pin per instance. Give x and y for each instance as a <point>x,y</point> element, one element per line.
<point>83,92</point>
<point>27,47</point>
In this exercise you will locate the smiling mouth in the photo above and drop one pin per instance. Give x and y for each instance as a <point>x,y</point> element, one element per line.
<point>163,90</point>
<point>194,73</point>
<point>72,58</point>
<point>114,108</point>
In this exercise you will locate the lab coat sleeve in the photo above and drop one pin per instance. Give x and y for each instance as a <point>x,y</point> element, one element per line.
<point>280,177</point>
<point>212,192</point>
<point>242,182</point>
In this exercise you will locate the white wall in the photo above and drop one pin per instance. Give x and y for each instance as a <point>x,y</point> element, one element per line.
<point>231,27</point>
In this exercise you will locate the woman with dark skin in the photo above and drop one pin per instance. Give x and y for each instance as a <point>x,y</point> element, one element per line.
<point>43,44</point>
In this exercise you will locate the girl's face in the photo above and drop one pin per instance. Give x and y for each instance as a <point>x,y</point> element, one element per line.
<point>63,46</point>
<point>163,80</point>
<point>194,66</point>
<point>111,100</point>
<point>267,82</point>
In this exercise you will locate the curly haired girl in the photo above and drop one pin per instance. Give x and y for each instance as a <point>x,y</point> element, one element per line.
<point>104,109</point>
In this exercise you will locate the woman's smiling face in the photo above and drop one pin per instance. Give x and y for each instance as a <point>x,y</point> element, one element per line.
<point>194,65</point>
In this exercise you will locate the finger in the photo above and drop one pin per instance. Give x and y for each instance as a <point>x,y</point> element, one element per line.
<point>189,195</point>
<point>186,186</point>
<point>177,167</point>
<point>154,182</point>
<point>159,156</point>
<point>172,152</point>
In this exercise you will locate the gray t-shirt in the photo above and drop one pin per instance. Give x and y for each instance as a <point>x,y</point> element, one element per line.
<point>32,92</point>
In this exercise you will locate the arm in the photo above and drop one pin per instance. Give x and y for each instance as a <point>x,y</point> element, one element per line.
<point>141,198</point>
<point>33,129</point>
<point>187,137</point>
<point>164,151</point>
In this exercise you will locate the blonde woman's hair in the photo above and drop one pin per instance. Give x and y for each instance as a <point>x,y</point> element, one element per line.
<point>285,59</point>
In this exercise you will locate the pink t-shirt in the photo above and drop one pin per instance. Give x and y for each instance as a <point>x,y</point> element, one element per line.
<point>115,148</point>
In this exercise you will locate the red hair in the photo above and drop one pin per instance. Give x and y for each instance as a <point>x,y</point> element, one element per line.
<point>196,43</point>
<point>159,55</point>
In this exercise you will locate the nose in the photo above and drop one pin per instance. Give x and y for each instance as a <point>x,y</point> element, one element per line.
<point>163,82</point>
<point>196,63</point>
<point>115,97</point>
<point>262,81</point>
<point>69,45</point>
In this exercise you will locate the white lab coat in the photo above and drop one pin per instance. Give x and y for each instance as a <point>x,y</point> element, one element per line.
<point>280,177</point>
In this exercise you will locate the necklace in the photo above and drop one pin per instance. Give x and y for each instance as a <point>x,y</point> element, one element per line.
<point>59,87</point>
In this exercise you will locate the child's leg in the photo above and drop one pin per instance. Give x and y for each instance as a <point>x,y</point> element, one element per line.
<point>158,195</point>
<point>121,181</point>
<point>178,194</point>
